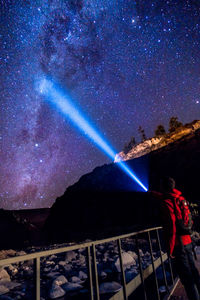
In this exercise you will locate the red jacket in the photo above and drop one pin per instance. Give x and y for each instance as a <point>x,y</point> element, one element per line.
<point>169,220</point>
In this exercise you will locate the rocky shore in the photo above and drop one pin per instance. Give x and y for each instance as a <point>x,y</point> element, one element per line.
<point>66,275</point>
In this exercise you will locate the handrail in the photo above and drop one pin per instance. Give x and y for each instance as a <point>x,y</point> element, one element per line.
<point>70,248</point>
<point>91,257</point>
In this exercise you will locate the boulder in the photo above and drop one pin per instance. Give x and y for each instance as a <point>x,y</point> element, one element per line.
<point>3,289</point>
<point>11,270</point>
<point>52,274</point>
<point>62,263</point>
<point>68,268</point>
<point>81,260</point>
<point>133,254</point>
<point>103,275</point>
<point>11,284</point>
<point>52,257</point>
<point>60,280</point>
<point>109,287</point>
<point>70,255</point>
<point>56,291</point>
<point>70,286</point>
<point>7,253</point>
<point>20,253</point>
<point>75,279</point>
<point>127,259</point>
<point>82,275</point>
<point>4,276</point>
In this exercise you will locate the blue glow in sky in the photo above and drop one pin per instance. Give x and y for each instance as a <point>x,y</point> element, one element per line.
<point>63,102</point>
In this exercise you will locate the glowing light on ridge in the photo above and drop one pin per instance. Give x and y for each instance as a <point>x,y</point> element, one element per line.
<point>63,102</point>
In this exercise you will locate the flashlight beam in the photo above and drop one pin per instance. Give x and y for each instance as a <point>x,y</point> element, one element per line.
<point>62,101</point>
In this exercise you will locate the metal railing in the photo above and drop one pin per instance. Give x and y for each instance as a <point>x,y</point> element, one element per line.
<point>127,288</point>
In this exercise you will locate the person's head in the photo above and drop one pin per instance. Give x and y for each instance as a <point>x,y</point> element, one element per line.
<point>167,184</point>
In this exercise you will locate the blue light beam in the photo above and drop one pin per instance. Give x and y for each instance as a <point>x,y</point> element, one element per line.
<point>62,101</point>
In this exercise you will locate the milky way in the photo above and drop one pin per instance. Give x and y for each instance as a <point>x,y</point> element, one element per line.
<point>126,63</point>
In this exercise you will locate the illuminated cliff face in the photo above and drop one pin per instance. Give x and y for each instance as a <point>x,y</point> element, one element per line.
<point>158,142</point>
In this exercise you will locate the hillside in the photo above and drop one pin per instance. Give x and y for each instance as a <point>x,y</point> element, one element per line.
<point>108,199</point>
<point>156,143</point>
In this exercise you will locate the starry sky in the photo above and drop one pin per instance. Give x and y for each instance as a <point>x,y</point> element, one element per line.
<point>126,63</point>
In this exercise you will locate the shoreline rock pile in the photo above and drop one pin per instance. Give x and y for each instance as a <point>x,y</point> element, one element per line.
<point>66,274</point>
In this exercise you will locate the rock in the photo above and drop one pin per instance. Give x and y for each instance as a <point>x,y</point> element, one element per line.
<point>82,275</point>
<point>11,270</point>
<point>11,284</point>
<point>141,252</point>
<point>50,263</point>
<point>109,287</point>
<point>46,270</point>
<point>20,253</point>
<point>147,254</point>
<point>4,276</point>
<point>70,255</point>
<point>3,289</point>
<point>62,263</point>
<point>101,247</point>
<point>56,291</point>
<point>22,294</point>
<point>133,254</point>
<point>68,268</point>
<point>56,268</point>
<point>60,280</point>
<point>52,274</point>
<point>52,257</point>
<point>7,253</point>
<point>103,275</point>
<point>70,286</point>
<point>127,261</point>
<point>81,260</point>
<point>75,279</point>
<point>162,289</point>
<point>111,246</point>
<point>30,262</point>
<point>28,273</point>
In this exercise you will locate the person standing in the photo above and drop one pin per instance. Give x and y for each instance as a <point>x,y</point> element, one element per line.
<point>177,223</point>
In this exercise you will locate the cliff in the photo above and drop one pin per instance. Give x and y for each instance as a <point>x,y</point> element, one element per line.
<point>156,143</point>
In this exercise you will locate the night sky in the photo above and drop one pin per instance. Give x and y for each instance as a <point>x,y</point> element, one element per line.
<point>126,63</point>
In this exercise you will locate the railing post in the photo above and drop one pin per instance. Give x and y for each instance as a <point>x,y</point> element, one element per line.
<point>122,269</point>
<point>90,273</point>
<point>170,268</point>
<point>163,267</point>
<point>95,272</point>
<point>140,268</point>
<point>37,277</point>
<point>153,266</point>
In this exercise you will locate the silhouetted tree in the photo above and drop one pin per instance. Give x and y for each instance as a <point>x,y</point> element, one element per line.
<point>174,124</point>
<point>160,130</point>
<point>142,133</point>
<point>130,145</point>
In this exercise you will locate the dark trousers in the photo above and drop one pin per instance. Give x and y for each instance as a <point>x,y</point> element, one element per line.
<point>187,271</point>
